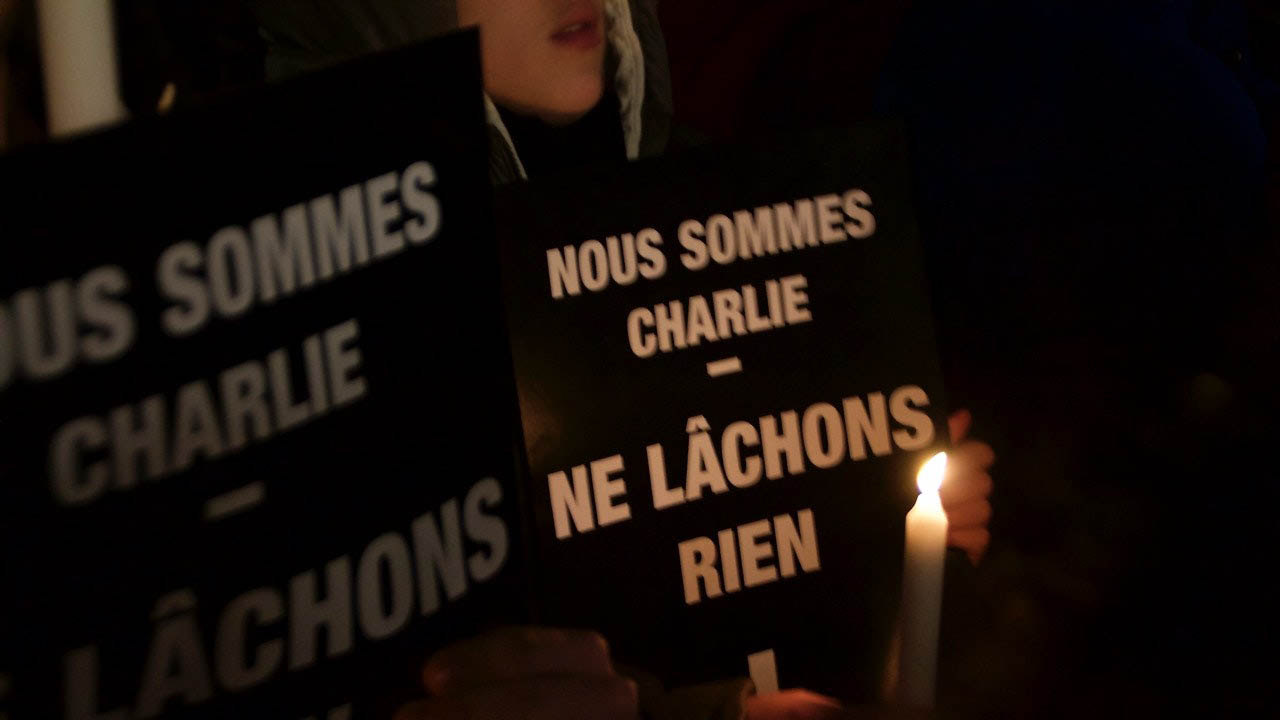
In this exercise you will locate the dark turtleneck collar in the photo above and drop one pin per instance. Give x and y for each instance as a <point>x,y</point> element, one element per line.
<point>547,149</point>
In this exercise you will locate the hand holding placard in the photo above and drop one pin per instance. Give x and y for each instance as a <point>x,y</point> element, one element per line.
<point>525,672</point>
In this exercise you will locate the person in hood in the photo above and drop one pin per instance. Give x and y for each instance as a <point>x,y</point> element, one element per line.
<point>567,83</point>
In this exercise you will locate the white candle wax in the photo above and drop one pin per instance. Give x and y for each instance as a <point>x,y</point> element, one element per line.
<point>925,555</point>
<point>78,56</point>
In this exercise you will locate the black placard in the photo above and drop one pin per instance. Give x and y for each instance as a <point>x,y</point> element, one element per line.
<point>189,287</point>
<point>830,325</point>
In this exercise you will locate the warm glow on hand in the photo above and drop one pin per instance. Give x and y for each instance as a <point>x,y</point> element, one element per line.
<point>793,705</point>
<point>966,493</point>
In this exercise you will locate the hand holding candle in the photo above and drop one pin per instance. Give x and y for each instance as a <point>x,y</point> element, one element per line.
<point>925,556</point>
<point>967,490</point>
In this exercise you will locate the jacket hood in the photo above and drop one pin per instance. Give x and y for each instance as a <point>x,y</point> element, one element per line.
<point>303,35</point>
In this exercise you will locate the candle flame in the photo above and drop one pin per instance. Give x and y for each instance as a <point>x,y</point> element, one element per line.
<point>929,479</point>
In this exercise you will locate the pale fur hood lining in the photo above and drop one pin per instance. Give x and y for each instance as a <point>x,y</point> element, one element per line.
<point>628,82</point>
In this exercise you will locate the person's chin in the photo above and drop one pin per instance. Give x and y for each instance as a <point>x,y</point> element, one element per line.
<point>572,101</point>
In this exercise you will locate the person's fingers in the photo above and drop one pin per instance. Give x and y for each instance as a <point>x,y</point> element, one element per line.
<point>959,424</point>
<point>793,705</point>
<point>973,541</point>
<point>965,487</point>
<point>971,453</point>
<point>512,653</point>
<point>972,515</point>
<point>566,697</point>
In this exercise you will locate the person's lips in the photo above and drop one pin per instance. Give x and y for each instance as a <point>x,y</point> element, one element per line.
<point>580,33</point>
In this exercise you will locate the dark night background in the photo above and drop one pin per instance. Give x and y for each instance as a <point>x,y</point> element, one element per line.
<point>1099,201</point>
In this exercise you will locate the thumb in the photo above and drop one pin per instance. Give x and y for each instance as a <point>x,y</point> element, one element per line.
<point>958,424</point>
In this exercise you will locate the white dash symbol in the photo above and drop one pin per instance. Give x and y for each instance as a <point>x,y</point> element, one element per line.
<point>762,668</point>
<point>727,366</point>
<point>234,501</point>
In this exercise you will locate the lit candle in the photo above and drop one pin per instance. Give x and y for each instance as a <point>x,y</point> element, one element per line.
<point>925,554</point>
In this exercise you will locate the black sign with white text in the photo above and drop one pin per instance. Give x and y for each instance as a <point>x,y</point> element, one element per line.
<point>727,378</point>
<point>255,448</point>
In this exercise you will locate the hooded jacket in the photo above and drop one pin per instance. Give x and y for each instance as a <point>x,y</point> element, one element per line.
<point>302,35</point>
